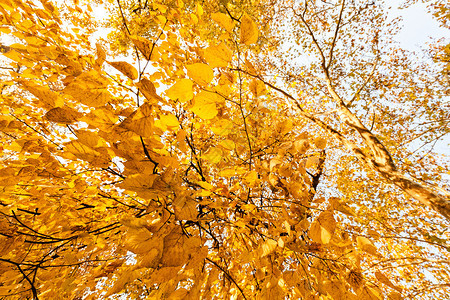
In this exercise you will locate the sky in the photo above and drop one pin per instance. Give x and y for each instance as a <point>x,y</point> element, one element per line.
<point>418,26</point>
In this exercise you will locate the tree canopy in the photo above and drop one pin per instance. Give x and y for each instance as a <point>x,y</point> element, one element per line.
<point>252,149</point>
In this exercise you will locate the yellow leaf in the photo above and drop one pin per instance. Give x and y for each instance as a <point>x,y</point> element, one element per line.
<point>267,248</point>
<point>345,209</point>
<point>47,96</point>
<point>63,115</point>
<point>223,127</point>
<point>182,90</point>
<point>320,142</point>
<point>312,162</point>
<point>5,30</point>
<point>218,56</point>
<point>126,277</point>
<point>366,245</point>
<point>335,289</point>
<point>301,145</point>
<point>274,180</point>
<point>125,68</point>
<point>200,73</point>
<point>383,279</point>
<point>90,139</point>
<point>90,88</point>
<point>369,293</point>
<point>205,185</point>
<point>141,121</point>
<point>228,144</point>
<point>227,172</point>
<point>251,177</point>
<point>249,30</point>
<point>223,20</point>
<point>395,296</point>
<point>199,9</point>
<point>101,55</point>
<point>85,153</point>
<point>178,248</point>
<point>194,19</point>
<point>205,105</point>
<point>147,88</point>
<point>101,118</point>
<point>137,182</point>
<point>178,294</point>
<point>185,208</point>
<point>145,46</point>
<point>322,228</point>
<point>14,55</point>
<point>162,20</point>
<point>169,120</point>
<point>214,155</point>
<point>150,259</point>
<point>258,88</point>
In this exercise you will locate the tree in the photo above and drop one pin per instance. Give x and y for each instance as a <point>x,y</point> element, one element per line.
<point>230,149</point>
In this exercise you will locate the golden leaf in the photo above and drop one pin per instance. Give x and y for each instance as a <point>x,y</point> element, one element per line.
<point>185,208</point>
<point>249,30</point>
<point>205,105</point>
<point>90,139</point>
<point>179,294</point>
<point>182,90</point>
<point>227,172</point>
<point>223,20</point>
<point>214,155</point>
<point>251,177</point>
<point>345,209</point>
<point>366,245</point>
<point>141,121</point>
<point>125,68</point>
<point>274,180</point>
<point>169,120</point>
<point>335,289</point>
<point>322,228</point>
<point>301,145</point>
<point>383,279</point>
<point>101,118</point>
<point>218,56</point>
<point>127,276</point>
<point>101,55</point>
<point>395,296</point>
<point>150,259</point>
<point>63,115</point>
<point>147,88</point>
<point>369,293</point>
<point>138,182</point>
<point>222,127</point>
<point>90,88</point>
<point>228,144</point>
<point>355,279</point>
<point>200,73</point>
<point>44,94</point>
<point>178,248</point>
<point>145,46</point>
<point>312,162</point>
<point>258,88</point>
<point>267,248</point>
<point>73,67</point>
<point>86,153</point>
<point>320,142</point>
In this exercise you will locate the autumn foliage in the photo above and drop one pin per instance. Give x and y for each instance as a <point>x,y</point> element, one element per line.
<point>220,150</point>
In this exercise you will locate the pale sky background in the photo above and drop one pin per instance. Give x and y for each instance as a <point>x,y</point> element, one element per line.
<point>418,26</point>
